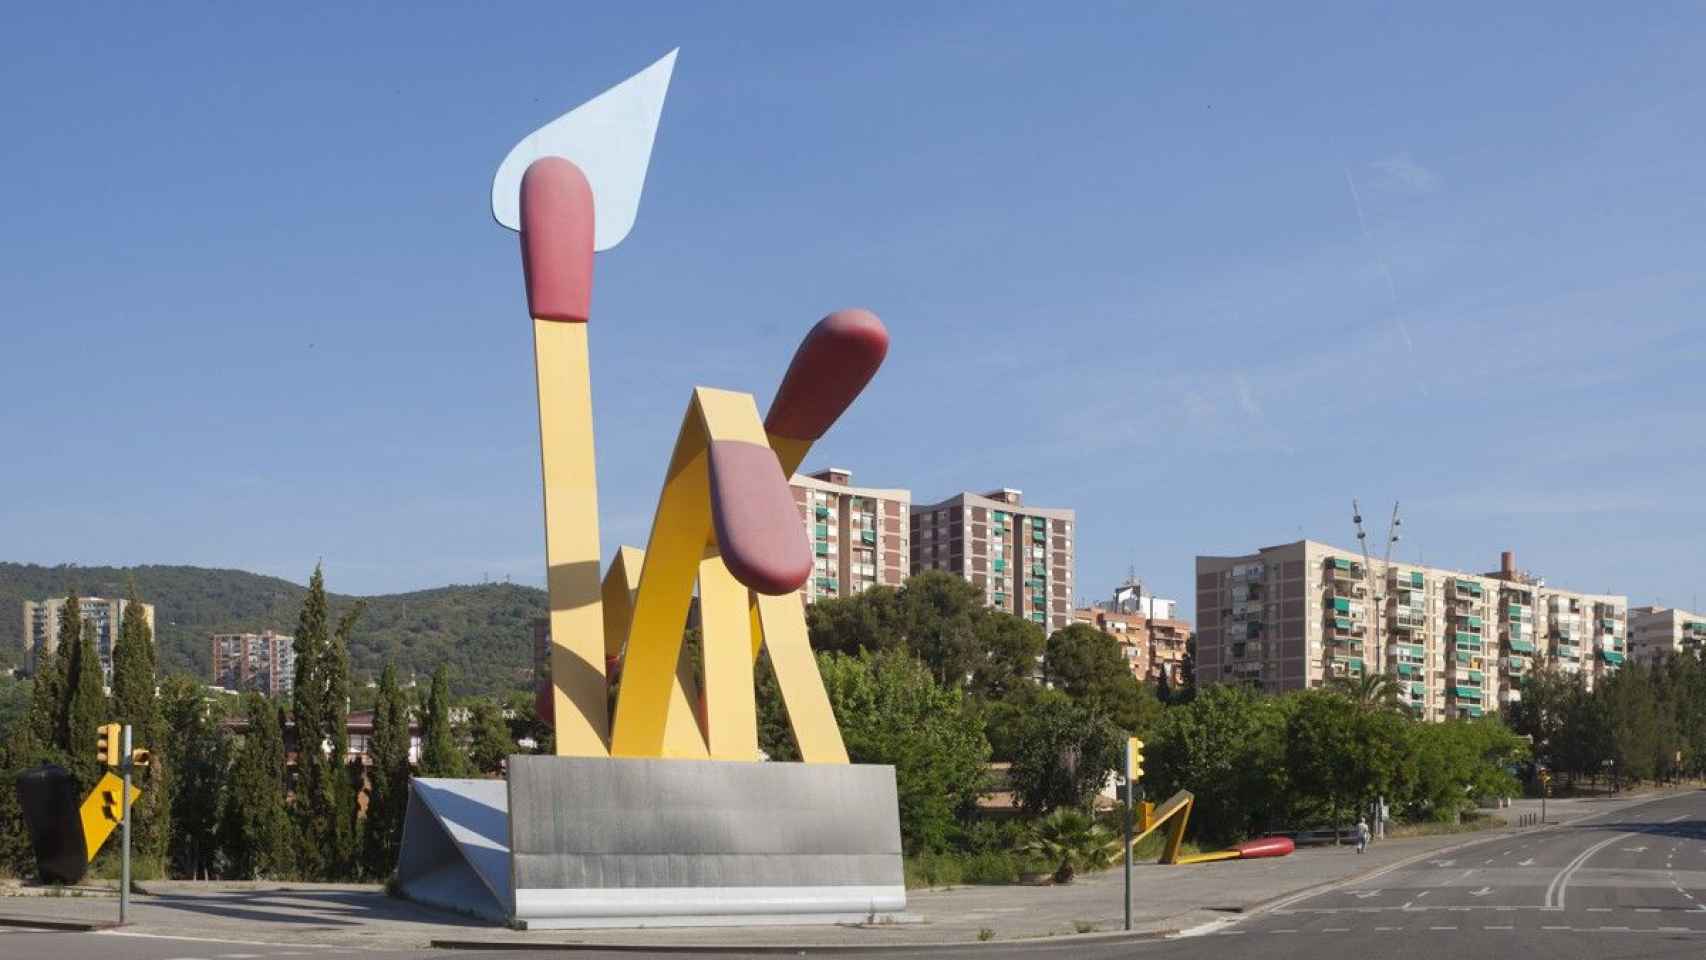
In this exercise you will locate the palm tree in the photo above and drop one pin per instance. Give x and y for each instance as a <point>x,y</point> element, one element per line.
<point>1073,839</point>
<point>1371,691</point>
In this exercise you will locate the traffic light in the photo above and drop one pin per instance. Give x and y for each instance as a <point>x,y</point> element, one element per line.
<point>140,757</point>
<point>1134,760</point>
<point>107,743</point>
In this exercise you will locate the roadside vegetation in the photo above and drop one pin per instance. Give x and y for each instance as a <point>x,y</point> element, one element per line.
<point>1004,742</point>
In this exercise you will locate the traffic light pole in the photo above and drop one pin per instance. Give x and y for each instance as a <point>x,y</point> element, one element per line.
<point>124,807</point>
<point>1129,789</point>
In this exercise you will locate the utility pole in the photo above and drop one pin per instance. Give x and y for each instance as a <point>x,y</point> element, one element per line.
<point>124,825</point>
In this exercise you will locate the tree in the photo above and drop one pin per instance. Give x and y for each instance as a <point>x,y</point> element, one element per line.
<point>1087,665</point>
<point>490,743</point>
<point>65,663</point>
<point>940,613</point>
<point>134,703</point>
<point>1007,650</point>
<point>892,711</point>
<point>1371,691</point>
<point>1074,840</point>
<point>86,709</point>
<point>440,756</point>
<point>255,826</point>
<point>197,753</point>
<point>1227,746</point>
<point>315,797</point>
<point>1341,755</point>
<point>868,620</point>
<point>388,773</point>
<point>1065,752</point>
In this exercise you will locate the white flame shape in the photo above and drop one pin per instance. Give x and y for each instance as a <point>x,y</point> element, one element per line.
<point>610,138</point>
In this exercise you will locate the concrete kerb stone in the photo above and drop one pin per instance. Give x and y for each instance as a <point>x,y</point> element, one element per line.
<point>866,949</point>
<point>71,926</point>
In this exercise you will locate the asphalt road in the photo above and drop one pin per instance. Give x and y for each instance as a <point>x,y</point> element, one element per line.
<point>1624,885</point>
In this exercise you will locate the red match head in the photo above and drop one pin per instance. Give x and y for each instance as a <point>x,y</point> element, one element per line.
<point>757,524</point>
<point>556,240</point>
<point>835,361</point>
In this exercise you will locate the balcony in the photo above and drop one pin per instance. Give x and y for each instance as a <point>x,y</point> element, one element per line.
<point>1340,568</point>
<point>1521,646</point>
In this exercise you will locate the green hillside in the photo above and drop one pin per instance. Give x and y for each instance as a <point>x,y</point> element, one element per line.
<point>484,632</point>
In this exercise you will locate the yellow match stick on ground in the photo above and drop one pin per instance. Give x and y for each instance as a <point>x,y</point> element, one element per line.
<point>556,249</point>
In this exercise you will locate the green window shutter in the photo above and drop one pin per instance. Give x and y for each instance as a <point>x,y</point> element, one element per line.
<point>822,530</point>
<point>1417,580</point>
<point>1341,604</point>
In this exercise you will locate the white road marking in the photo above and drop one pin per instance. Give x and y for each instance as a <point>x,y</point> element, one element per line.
<point>1386,929</point>
<point>1624,929</point>
<point>1553,928</point>
<point>1287,930</point>
<point>1527,863</point>
<point>1599,909</point>
<point>1498,927</point>
<point>1335,929</point>
<point>1481,892</point>
<point>1442,864</point>
<point>1561,882</point>
<point>1442,928</point>
<point>1487,861</point>
<point>1675,929</point>
<point>1634,849</point>
<point>1423,894</point>
<point>1676,818</point>
<point>1364,895</point>
<point>1646,909</point>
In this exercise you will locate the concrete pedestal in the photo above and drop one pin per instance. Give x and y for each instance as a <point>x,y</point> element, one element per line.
<point>571,842</point>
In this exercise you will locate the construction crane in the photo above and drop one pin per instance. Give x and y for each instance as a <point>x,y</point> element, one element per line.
<point>1374,599</point>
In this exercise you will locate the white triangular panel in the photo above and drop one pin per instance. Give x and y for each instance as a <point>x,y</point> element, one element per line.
<point>610,138</point>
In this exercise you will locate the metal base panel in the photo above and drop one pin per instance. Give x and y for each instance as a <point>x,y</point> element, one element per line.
<point>641,842</point>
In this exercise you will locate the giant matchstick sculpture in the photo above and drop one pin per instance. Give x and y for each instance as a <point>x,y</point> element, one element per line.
<point>662,810</point>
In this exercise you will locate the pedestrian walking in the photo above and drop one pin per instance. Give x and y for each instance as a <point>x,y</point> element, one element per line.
<point>1362,834</point>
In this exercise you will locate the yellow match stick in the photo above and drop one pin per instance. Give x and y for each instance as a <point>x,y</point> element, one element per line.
<point>556,250</point>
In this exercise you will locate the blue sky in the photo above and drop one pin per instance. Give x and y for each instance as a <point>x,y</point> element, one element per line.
<point>1203,273</point>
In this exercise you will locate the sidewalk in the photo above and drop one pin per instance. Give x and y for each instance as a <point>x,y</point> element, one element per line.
<point>1165,899</point>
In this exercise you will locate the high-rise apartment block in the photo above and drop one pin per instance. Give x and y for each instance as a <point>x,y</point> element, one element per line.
<point>263,662</point>
<point>1019,556</point>
<point>41,627</point>
<point>858,534</point>
<point>1659,632</point>
<point>1296,615</point>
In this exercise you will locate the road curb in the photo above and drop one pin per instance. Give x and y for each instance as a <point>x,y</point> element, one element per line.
<point>74,926</point>
<point>867,949</point>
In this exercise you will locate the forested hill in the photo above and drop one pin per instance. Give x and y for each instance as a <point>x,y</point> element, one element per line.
<point>484,632</point>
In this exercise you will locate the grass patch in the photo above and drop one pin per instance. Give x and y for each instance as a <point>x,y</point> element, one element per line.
<point>1472,822</point>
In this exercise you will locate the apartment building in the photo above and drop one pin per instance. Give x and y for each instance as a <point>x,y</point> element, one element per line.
<point>1020,556</point>
<point>1295,615</point>
<point>1659,632</point>
<point>1155,647</point>
<point>263,662</point>
<point>858,535</point>
<point>41,627</point>
<point>1127,629</point>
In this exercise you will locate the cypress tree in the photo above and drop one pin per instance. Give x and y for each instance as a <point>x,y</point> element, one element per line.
<point>346,797</point>
<point>86,709</point>
<point>315,800</point>
<point>439,756</point>
<point>197,754</point>
<point>47,710</point>
<point>255,828</point>
<point>64,662</point>
<point>489,737</point>
<point>134,702</point>
<point>388,773</point>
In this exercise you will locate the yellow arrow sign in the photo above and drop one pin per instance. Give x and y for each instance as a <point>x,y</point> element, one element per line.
<point>102,811</point>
